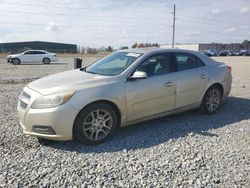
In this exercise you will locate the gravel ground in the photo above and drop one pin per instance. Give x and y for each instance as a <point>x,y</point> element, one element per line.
<point>184,150</point>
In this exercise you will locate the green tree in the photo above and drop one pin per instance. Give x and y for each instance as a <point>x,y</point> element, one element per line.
<point>124,47</point>
<point>246,44</point>
<point>109,49</point>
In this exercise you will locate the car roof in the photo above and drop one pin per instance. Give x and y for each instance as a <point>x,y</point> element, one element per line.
<point>36,50</point>
<point>155,50</point>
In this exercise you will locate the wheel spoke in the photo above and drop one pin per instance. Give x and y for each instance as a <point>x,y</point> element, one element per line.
<point>106,126</point>
<point>105,132</point>
<point>105,115</point>
<point>88,128</point>
<point>93,116</point>
<point>106,120</point>
<point>97,114</point>
<point>96,135</point>
<point>92,134</point>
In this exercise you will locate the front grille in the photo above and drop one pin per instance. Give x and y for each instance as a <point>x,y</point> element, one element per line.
<point>23,105</point>
<point>24,100</point>
<point>26,95</point>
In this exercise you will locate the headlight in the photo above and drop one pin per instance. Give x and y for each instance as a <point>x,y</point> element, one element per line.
<point>50,101</point>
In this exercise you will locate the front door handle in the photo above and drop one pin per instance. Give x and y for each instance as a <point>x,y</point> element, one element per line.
<point>169,84</point>
<point>203,76</point>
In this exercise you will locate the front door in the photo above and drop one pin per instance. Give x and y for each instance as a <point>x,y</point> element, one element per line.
<point>154,94</point>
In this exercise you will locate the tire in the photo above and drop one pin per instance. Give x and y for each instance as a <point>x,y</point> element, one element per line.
<point>211,100</point>
<point>95,124</point>
<point>46,60</point>
<point>15,61</point>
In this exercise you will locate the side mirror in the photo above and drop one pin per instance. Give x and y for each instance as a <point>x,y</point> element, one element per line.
<point>138,75</point>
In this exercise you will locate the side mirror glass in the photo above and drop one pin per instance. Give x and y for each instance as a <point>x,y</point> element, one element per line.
<point>138,75</point>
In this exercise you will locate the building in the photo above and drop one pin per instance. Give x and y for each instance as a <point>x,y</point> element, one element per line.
<point>209,46</point>
<point>194,47</point>
<point>15,47</point>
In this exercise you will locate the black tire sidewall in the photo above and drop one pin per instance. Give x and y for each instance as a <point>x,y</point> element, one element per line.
<point>78,133</point>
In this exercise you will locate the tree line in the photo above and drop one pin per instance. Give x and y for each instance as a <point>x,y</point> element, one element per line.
<point>89,50</point>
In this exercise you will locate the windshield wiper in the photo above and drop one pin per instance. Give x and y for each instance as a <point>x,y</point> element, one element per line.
<point>90,72</point>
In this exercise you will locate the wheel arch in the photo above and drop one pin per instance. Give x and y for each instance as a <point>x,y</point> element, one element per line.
<point>46,58</point>
<point>112,104</point>
<point>16,58</point>
<point>219,85</point>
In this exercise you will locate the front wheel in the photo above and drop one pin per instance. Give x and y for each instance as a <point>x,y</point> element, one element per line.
<point>95,124</point>
<point>211,100</point>
<point>16,61</point>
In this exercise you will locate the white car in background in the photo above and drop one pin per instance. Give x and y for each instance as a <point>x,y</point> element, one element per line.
<point>32,56</point>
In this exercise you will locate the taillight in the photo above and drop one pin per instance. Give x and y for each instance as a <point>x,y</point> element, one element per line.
<point>229,68</point>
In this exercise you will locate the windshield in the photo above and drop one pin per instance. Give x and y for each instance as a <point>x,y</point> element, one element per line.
<point>113,64</point>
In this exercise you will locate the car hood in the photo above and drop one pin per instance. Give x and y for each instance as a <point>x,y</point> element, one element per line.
<point>14,55</point>
<point>68,81</point>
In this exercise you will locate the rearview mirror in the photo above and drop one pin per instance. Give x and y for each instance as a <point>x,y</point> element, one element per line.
<point>138,75</point>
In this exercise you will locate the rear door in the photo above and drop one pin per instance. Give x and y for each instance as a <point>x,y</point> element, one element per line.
<point>156,93</point>
<point>38,56</point>
<point>192,78</point>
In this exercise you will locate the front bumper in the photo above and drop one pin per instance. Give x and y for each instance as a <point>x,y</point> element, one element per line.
<point>8,59</point>
<point>59,119</point>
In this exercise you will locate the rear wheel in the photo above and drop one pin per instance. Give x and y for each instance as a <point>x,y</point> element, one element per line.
<point>46,60</point>
<point>211,100</point>
<point>95,124</point>
<point>16,61</point>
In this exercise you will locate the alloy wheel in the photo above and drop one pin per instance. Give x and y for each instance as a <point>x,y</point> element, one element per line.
<point>97,124</point>
<point>213,100</point>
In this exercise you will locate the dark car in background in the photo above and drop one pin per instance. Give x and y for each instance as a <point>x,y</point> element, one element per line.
<point>210,53</point>
<point>243,53</point>
<point>227,53</point>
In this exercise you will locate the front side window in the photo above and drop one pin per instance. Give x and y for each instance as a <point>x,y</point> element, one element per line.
<point>185,61</point>
<point>113,64</point>
<point>28,53</point>
<point>158,64</point>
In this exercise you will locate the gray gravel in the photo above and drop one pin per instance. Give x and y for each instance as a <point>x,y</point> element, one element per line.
<point>184,150</point>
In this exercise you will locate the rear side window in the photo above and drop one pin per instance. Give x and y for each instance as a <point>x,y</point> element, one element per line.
<point>185,61</point>
<point>38,52</point>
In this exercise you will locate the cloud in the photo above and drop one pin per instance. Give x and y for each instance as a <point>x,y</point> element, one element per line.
<point>52,27</point>
<point>244,10</point>
<point>245,27</point>
<point>192,33</point>
<point>229,30</point>
<point>215,11</point>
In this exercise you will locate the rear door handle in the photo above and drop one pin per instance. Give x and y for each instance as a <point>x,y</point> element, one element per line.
<point>203,76</point>
<point>169,84</point>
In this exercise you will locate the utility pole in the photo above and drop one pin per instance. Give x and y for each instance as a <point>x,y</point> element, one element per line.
<point>173,27</point>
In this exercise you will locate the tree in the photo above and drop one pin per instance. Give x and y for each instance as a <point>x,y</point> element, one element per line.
<point>124,47</point>
<point>109,49</point>
<point>246,44</point>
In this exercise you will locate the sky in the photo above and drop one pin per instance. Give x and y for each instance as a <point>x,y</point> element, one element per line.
<point>100,23</point>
